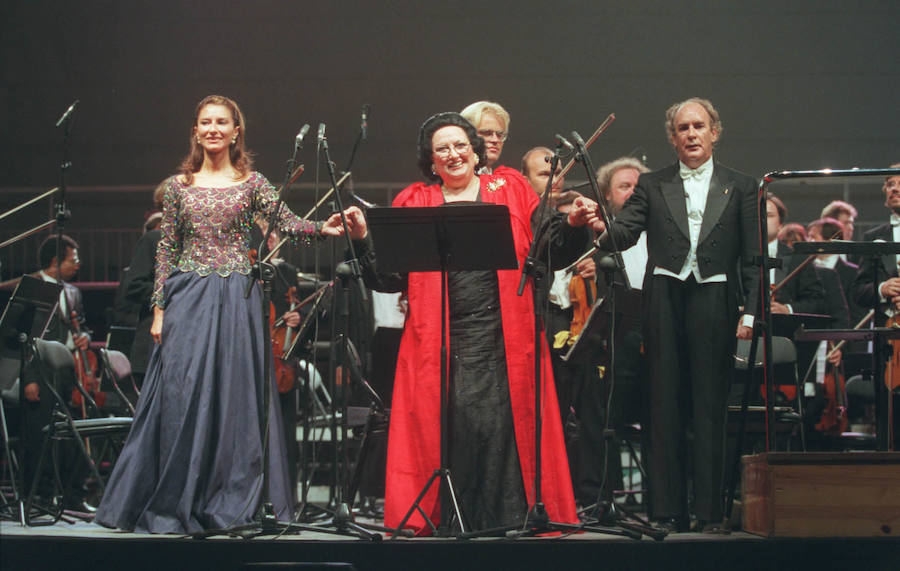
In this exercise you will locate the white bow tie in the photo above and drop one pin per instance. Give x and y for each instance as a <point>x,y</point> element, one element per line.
<point>696,174</point>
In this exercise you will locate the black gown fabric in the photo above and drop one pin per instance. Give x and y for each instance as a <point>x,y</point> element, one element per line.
<point>484,459</point>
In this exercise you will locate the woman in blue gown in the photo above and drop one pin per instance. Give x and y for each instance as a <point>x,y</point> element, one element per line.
<point>193,458</point>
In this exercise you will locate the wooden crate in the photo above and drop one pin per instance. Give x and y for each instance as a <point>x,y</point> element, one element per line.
<point>822,494</point>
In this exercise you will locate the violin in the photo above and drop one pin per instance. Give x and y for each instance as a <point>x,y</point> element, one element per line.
<point>582,294</point>
<point>892,371</point>
<point>86,368</point>
<point>834,421</point>
<point>285,369</point>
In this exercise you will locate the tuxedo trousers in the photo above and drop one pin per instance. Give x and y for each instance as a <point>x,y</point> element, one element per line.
<point>689,337</point>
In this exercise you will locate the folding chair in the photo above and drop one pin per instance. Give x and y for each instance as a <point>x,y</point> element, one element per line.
<point>117,369</point>
<point>53,361</point>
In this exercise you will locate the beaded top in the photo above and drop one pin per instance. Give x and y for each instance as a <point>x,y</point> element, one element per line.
<point>207,230</point>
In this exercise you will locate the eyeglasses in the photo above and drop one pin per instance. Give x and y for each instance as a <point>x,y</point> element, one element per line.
<point>485,133</point>
<point>443,151</point>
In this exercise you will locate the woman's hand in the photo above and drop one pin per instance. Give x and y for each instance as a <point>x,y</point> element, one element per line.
<point>156,326</point>
<point>356,224</point>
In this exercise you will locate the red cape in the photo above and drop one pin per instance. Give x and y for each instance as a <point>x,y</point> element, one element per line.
<point>414,440</point>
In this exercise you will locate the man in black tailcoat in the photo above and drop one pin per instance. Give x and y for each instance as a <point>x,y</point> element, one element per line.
<point>701,223</point>
<point>878,281</point>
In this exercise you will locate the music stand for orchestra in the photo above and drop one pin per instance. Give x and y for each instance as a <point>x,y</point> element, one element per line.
<point>27,316</point>
<point>444,238</point>
<point>596,329</point>
<point>880,253</point>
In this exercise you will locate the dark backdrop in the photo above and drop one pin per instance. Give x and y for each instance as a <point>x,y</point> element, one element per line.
<point>800,85</point>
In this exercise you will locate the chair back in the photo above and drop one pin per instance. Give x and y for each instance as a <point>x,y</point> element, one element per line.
<point>784,352</point>
<point>117,368</point>
<point>117,362</point>
<point>54,356</point>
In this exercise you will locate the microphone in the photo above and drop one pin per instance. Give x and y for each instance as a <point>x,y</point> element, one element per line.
<point>560,140</point>
<point>298,141</point>
<point>577,138</point>
<point>68,113</point>
<point>577,186</point>
<point>364,126</point>
<point>321,136</point>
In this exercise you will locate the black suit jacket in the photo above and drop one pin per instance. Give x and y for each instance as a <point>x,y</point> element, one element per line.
<point>847,272</point>
<point>61,322</point>
<point>872,273</point>
<point>728,236</point>
<point>804,292</point>
<point>137,288</point>
<point>835,305</point>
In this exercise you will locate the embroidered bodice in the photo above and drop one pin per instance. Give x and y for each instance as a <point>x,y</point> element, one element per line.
<point>207,230</point>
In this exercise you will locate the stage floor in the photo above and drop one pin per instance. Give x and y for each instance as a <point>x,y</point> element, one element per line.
<point>88,546</point>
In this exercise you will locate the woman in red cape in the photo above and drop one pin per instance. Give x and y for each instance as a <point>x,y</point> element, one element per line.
<point>491,340</point>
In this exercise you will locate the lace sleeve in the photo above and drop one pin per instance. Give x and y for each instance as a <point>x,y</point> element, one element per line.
<point>168,249</point>
<point>265,198</point>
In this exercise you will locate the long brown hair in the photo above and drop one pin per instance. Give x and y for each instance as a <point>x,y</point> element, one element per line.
<point>241,158</point>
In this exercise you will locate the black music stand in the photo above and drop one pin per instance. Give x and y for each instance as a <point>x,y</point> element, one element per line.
<point>880,253</point>
<point>27,315</point>
<point>444,238</point>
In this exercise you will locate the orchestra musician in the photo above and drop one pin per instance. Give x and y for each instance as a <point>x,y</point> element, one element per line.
<point>491,122</point>
<point>193,457</point>
<point>491,339</point>
<point>877,285</point>
<point>38,406</point>
<point>877,282</point>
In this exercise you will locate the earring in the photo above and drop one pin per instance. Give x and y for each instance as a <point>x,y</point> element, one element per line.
<point>432,170</point>
<point>198,140</point>
<point>234,140</point>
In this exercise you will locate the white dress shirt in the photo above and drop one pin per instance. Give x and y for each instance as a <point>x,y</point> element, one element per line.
<point>696,189</point>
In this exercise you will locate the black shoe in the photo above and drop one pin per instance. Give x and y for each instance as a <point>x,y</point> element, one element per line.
<point>669,524</point>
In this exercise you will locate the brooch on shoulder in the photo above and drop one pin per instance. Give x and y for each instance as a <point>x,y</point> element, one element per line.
<point>496,184</point>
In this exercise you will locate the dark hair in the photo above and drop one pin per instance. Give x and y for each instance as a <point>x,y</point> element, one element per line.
<point>779,206</point>
<point>427,130</point>
<point>791,233</point>
<point>829,228</point>
<point>241,158</point>
<point>47,250</point>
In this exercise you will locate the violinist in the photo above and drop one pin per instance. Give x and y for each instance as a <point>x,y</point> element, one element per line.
<point>39,406</point>
<point>828,411</point>
<point>616,181</point>
<point>803,293</point>
<point>878,283</point>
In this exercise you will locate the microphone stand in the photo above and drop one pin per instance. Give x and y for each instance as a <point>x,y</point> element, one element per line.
<point>537,520</point>
<point>265,521</point>
<point>342,521</point>
<point>61,215</point>
<point>605,510</point>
